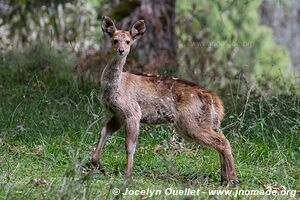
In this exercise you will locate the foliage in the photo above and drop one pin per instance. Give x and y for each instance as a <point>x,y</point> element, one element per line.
<point>219,40</point>
<point>49,125</point>
<point>36,61</point>
<point>66,25</point>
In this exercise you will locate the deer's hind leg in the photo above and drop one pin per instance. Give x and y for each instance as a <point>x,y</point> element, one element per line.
<point>203,133</point>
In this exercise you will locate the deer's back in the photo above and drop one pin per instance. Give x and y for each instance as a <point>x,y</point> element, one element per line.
<point>165,99</point>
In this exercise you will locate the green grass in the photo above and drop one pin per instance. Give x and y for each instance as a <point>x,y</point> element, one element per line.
<point>49,126</point>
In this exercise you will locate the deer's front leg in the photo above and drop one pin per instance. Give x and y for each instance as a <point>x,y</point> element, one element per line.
<point>112,126</point>
<point>132,130</point>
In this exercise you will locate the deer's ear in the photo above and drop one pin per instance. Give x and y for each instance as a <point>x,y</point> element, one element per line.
<point>138,29</point>
<point>108,26</point>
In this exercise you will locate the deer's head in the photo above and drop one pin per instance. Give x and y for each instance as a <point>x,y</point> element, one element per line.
<point>122,40</point>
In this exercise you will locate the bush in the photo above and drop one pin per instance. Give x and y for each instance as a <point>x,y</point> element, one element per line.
<point>219,40</point>
<point>40,60</point>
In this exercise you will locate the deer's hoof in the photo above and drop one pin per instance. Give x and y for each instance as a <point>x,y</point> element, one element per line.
<point>224,184</point>
<point>98,166</point>
<point>236,183</point>
<point>127,174</point>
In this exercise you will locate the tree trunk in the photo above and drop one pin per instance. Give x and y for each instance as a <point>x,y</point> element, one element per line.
<point>155,52</point>
<point>284,18</point>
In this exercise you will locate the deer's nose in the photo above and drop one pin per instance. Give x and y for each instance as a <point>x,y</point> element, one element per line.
<point>121,50</point>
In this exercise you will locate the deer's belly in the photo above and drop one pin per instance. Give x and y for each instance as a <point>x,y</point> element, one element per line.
<point>153,110</point>
<point>157,112</point>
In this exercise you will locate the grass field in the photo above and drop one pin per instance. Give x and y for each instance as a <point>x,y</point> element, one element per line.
<point>49,124</point>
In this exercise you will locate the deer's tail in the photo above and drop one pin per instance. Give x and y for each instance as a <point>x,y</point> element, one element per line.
<point>217,110</point>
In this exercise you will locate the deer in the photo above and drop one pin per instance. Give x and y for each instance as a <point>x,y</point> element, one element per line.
<point>132,99</point>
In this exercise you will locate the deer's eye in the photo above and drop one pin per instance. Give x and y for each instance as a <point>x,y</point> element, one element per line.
<point>116,41</point>
<point>127,42</point>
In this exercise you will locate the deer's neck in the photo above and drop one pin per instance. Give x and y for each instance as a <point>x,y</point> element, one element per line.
<point>112,74</point>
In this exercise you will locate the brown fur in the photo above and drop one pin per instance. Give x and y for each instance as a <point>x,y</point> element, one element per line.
<point>140,98</point>
<point>167,80</point>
